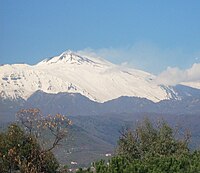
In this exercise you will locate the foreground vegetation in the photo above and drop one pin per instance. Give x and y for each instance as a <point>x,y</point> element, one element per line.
<point>150,148</point>
<point>20,151</point>
<point>22,148</point>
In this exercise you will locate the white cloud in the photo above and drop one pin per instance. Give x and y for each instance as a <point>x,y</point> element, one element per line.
<point>147,56</point>
<point>173,76</point>
<point>144,56</point>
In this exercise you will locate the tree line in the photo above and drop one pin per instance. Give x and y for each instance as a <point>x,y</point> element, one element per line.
<point>149,148</point>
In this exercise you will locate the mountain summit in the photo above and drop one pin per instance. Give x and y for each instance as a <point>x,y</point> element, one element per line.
<point>71,72</point>
<point>67,57</point>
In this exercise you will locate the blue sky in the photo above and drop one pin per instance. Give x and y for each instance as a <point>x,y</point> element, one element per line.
<point>146,34</point>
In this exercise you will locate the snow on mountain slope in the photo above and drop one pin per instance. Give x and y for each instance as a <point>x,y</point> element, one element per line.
<point>95,78</point>
<point>195,84</point>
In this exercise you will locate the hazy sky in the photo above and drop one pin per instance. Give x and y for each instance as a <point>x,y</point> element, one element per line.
<point>146,34</point>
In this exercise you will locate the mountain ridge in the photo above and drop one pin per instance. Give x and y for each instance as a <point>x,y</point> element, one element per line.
<point>95,78</point>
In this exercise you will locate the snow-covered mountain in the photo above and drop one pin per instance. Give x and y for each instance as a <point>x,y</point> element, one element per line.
<point>95,78</point>
<point>195,84</point>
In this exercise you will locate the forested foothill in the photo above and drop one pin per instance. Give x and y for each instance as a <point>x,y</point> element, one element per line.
<point>150,147</point>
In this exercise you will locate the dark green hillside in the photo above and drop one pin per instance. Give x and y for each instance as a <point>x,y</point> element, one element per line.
<point>82,147</point>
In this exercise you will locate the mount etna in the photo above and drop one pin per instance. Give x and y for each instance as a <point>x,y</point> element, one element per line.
<point>100,98</point>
